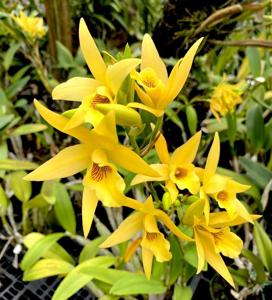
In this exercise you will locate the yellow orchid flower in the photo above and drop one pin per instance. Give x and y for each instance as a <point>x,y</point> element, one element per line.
<point>224,99</point>
<point>97,96</point>
<point>98,147</point>
<point>221,188</point>
<point>33,26</point>
<point>177,169</point>
<point>155,89</point>
<point>215,237</point>
<point>153,242</point>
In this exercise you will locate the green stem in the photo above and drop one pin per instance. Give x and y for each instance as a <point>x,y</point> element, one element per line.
<point>153,137</point>
<point>40,68</point>
<point>232,128</point>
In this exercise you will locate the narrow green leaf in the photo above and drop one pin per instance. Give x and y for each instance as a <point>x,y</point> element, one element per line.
<point>19,74</point>
<point>255,126</point>
<point>8,57</point>
<point>254,59</point>
<point>27,129</point>
<point>5,120</point>
<point>4,202</point>
<point>46,268</point>
<point>54,252</point>
<point>65,58</point>
<point>268,135</point>
<point>75,280</point>
<point>22,189</point>
<point>190,254</point>
<point>91,249</point>
<point>176,261</point>
<point>64,209</point>
<point>38,250</point>
<point>48,191</point>
<point>264,246</point>
<point>257,172</point>
<point>16,87</point>
<point>240,276</point>
<point>257,264</point>
<point>12,164</point>
<point>182,293</point>
<point>133,284</point>
<point>37,202</point>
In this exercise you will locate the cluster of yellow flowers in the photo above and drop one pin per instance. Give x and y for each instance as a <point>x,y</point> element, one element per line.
<point>224,99</point>
<point>100,153</point>
<point>33,26</point>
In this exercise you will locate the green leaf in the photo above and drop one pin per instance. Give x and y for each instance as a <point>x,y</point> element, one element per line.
<point>264,246</point>
<point>90,250</point>
<point>133,284</point>
<point>27,129</point>
<point>254,59</point>
<point>268,135</point>
<point>37,202</point>
<point>55,251</point>
<point>38,250</point>
<point>3,98</point>
<point>64,209</point>
<point>255,127</point>
<point>257,264</point>
<point>65,58</point>
<point>17,87</point>
<point>176,261</point>
<point>12,164</point>
<point>48,191</point>
<point>192,119</point>
<point>240,276</point>
<point>47,267</point>
<point>4,202</point>
<point>76,279</point>
<point>8,57</point>
<point>190,254</point>
<point>19,74</point>
<point>257,172</point>
<point>22,188</point>
<point>5,120</point>
<point>182,293</point>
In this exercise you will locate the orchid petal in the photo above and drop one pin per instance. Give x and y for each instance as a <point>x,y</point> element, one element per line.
<point>107,127</point>
<point>213,258</point>
<point>147,257</point>
<point>151,58</point>
<point>155,112</point>
<point>212,159</point>
<point>145,98</point>
<point>89,204</point>
<point>163,217</point>
<point>67,162</point>
<point>160,169</point>
<point>129,160</point>
<point>200,253</point>
<point>186,153</point>
<point>59,122</point>
<point>76,120</point>
<point>180,73</point>
<point>91,53</point>
<point>126,230</point>
<point>116,73</point>
<point>75,89</point>
<point>162,149</point>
